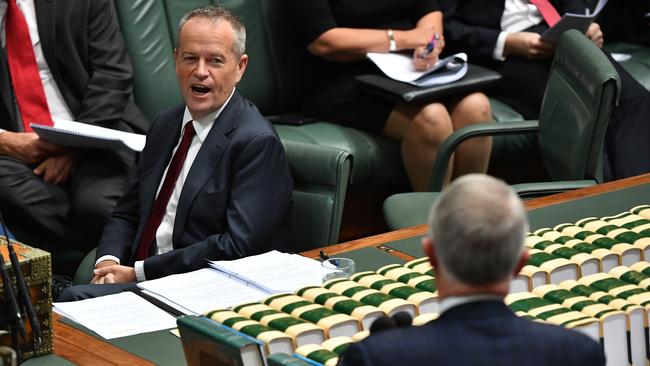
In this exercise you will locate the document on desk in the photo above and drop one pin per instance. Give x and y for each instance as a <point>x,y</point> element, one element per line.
<point>399,66</point>
<point>115,316</point>
<point>580,22</point>
<point>274,271</point>
<point>195,293</point>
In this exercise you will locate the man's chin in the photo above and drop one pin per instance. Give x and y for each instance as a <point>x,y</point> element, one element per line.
<point>198,110</point>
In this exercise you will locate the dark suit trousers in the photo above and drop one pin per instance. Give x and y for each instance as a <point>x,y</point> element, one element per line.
<point>627,144</point>
<point>50,216</point>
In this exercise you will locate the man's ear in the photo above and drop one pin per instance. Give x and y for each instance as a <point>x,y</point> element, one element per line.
<point>430,250</point>
<point>241,67</point>
<point>522,261</point>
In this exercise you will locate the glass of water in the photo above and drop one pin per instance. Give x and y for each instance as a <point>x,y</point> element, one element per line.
<point>332,268</point>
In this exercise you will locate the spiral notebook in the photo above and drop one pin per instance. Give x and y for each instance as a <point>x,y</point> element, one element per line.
<point>82,135</point>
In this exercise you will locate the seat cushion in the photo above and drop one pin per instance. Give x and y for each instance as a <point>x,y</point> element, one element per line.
<point>376,160</point>
<point>408,209</point>
<point>639,65</point>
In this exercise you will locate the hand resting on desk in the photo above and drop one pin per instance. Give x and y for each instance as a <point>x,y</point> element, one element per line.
<point>109,271</point>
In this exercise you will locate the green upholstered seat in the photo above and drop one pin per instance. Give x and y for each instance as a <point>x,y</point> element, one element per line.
<point>582,90</point>
<point>639,63</point>
<point>320,176</point>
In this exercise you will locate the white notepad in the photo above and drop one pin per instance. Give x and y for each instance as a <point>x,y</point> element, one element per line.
<point>82,135</point>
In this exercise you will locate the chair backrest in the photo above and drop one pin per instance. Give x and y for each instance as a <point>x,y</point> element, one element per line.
<point>582,91</point>
<point>150,30</point>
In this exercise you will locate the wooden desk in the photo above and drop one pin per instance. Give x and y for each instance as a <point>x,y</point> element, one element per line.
<point>81,348</point>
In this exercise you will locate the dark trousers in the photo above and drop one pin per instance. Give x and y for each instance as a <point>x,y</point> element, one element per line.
<point>627,143</point>
<point>55,217</point>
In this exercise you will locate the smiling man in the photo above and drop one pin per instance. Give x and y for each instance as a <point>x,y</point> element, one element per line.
<point>213,181</point>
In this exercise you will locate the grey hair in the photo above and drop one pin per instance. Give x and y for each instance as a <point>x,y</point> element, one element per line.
<point>217,13</point>
<point>478,227</point>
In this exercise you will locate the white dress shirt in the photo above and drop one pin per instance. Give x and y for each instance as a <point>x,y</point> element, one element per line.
<point>58,107</point>
<point>202,126</point>
<point>517,16</point>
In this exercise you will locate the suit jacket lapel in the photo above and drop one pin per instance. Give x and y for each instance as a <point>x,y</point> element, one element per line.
<point>46,21</point>
<point>206,161</point>
<point>5,92</point>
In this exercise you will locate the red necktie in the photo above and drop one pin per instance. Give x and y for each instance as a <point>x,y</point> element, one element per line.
<point>550,15</point>
<point>25,78</point>
<point>160,205</point>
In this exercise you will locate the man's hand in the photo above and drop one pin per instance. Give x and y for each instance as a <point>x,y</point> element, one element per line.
<point>26,147</point>
<point>527,44</point>
<point>100,279</point>
<point>113,274</point>
<point>595,34</point>
<point>57,169</point>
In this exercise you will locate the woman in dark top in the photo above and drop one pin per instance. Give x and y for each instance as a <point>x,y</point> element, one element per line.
<point>339,33</point>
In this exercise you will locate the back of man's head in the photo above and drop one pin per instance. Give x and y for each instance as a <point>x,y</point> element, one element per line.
<point>477,228</point>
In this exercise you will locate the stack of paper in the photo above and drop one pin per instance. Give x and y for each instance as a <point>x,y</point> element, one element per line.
<point>274,271</point>
<point>118,315</point>
<point>195,293</point>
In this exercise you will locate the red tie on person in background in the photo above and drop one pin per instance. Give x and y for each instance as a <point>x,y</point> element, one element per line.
<point>160,205</point>
<point>25,78</point>
<point>550,15</point>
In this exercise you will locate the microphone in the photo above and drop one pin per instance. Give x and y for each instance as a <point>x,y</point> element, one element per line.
<point>14,310</point>
<point>22,288</point>
<point>403,319</point>
<point>382,324</point>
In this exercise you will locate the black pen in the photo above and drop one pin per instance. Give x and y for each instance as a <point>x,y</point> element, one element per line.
<point>24,295</point>
<point>11,298</point>
<point>323,255</point>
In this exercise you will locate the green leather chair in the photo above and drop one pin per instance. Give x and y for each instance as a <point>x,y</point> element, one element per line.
<point>582,90</point>
<point>320,176</point>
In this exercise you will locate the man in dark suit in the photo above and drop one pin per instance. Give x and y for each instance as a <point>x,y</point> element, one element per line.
<point>477,230</point>
<point>504,35</point>
<point>229,195</point>
<point>54,197</point>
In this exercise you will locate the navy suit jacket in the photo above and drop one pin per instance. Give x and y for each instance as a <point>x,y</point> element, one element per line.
<point>86,54</point>
<point>473,26</point>
<point>236,200</point>
<point>477,333</point>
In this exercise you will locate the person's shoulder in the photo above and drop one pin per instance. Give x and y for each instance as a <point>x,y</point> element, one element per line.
<point>405,345</point>
<point>578,346</point>
<point>252,124</point>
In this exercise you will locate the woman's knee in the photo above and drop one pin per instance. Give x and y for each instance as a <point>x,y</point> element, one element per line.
<point>473,108</point>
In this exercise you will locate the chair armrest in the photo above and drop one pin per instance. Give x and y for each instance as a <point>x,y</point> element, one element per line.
<point>476,130</point>
<point>316,164</point>
<point>533,190</point>
<point>321,175</point>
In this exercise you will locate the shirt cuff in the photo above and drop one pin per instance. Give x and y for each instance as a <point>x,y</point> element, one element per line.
<point>107,258</point>
<point>139,271</point>
<point>500,46</point>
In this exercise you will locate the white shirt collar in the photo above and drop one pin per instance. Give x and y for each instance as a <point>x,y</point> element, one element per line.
<point>203,125</point>
<point>452,301</point>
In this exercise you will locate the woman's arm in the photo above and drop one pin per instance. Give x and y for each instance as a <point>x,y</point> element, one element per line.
<point>351,44</point>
